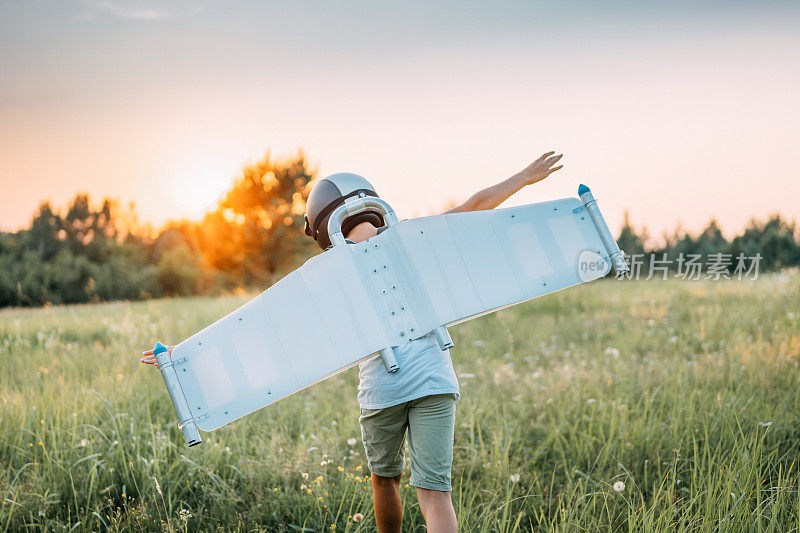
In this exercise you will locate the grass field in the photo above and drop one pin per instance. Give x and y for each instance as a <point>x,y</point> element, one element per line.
<point>683,392</point>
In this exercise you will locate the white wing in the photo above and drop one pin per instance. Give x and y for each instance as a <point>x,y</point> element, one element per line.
<point>355,300</point>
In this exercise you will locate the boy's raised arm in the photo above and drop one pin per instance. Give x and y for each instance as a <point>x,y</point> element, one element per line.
<point>493,196</point>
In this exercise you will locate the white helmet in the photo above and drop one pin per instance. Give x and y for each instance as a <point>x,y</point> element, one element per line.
<point>328,194</point>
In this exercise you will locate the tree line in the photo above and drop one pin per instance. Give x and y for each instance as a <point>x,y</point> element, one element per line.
<point>764,245</point>
<point>91,253</point>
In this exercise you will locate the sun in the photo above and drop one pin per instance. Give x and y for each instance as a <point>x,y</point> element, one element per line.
<point>197,183</point>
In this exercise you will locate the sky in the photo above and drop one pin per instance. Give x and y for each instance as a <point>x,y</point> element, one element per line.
<point>674,111</point>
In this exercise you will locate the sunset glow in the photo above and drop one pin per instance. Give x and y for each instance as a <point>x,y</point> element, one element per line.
<point>677,113</point>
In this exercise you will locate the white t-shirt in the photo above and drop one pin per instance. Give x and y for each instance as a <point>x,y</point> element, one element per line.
<point>424,370</point>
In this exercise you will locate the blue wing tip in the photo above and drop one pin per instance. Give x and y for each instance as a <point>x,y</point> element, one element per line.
<point>582,189</point>
<point>159,348</point>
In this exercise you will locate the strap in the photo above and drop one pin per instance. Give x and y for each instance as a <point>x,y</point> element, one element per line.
<point>328,209</point>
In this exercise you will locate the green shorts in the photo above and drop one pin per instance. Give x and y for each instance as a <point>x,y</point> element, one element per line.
<point>430,422</point>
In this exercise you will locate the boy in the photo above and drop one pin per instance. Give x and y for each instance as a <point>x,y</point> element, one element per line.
<point>420,398</point>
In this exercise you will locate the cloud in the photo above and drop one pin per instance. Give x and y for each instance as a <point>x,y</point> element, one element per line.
<point>132,13</point>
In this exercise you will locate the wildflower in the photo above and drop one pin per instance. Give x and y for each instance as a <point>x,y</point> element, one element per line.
<point>514,478</point>
<point>184,515</point>
<point>351,441</point>
<point>340,469</point>
<point>303,486</point>
<point>619,486</point>
<point>358,517</point>
<point>591,400</point>
<point>305,475</point>
<point>614,352</point>
<point>333,527</point>
<point>323,463</point>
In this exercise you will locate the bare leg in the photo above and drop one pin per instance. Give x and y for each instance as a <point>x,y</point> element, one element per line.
<point>388,510</point>
<point>437,508</point>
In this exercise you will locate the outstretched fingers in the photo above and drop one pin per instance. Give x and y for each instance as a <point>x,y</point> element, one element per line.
<point>550,161</point>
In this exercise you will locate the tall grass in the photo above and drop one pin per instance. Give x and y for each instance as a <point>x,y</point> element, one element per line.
<point>685,393</point>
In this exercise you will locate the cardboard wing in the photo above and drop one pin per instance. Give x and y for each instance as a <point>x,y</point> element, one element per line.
<point>355,300</point>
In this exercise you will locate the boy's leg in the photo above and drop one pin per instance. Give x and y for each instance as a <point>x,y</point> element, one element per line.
<point>383,432</point>
<point>437,508</point>
<point>386,499</point>
<point>431,426</point>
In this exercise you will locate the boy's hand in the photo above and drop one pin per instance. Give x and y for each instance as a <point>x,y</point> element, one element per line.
<point>150,359</point>
<point>495,195</point>
<point>541,168</point>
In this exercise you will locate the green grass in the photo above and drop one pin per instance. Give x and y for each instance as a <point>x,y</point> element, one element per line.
<point>684,391</point>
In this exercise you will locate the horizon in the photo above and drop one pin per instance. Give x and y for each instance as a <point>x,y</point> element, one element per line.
<point>676,113</point>
<point>146,227</point>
